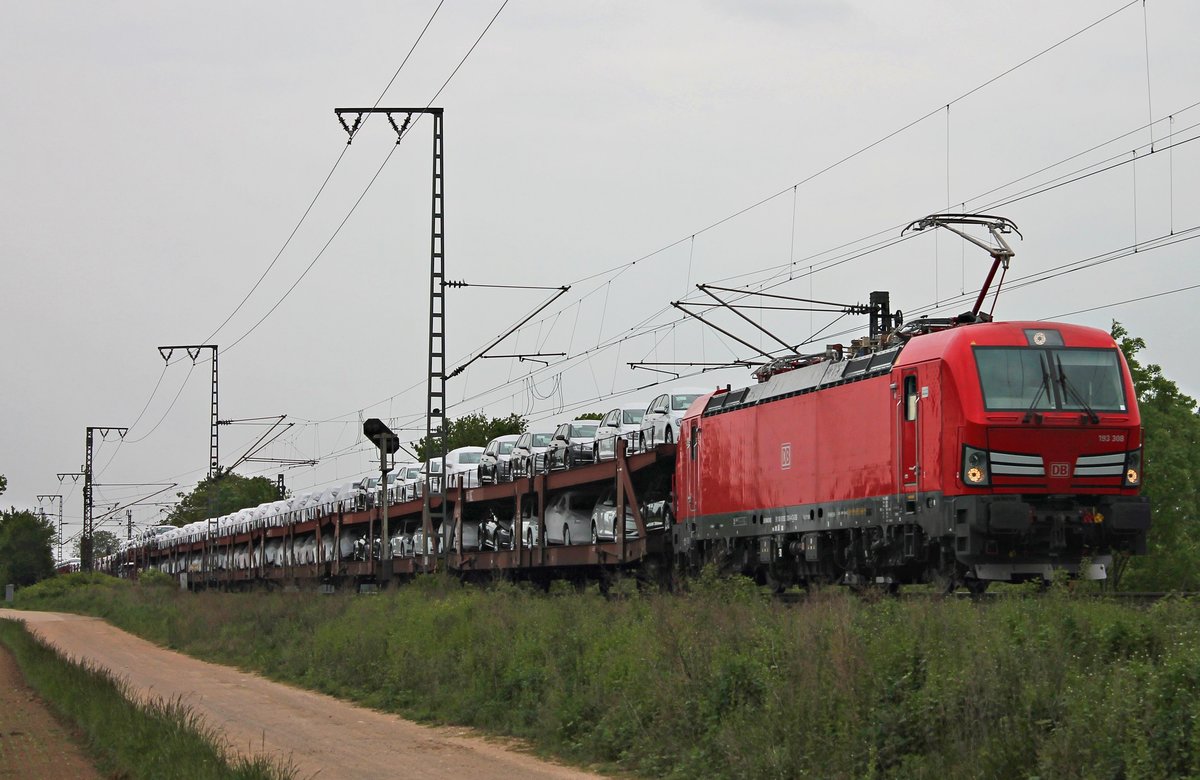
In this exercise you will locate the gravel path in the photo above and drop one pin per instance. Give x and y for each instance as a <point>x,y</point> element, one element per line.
<point>321,736</point>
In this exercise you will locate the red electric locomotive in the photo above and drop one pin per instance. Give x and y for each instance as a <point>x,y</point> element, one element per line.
<point>957,451</point>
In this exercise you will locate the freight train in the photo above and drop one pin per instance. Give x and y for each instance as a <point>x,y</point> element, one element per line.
<point>957,451</point>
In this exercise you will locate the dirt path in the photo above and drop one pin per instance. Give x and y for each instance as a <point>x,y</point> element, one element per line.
<point>33,744</point>
<point>321,736</point>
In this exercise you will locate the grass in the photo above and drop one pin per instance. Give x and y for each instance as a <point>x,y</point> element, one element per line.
<point>719,683</point>
<point>161,739</point>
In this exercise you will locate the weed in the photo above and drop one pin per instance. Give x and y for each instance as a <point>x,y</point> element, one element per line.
<point>721,682</point>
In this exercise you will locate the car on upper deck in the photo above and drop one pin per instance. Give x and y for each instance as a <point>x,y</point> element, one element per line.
<point>660,423</point>
<point>572,444</point>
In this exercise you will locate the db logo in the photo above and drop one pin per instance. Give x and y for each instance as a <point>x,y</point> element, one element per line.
<point>785,456</point>
<point>1060,470</point>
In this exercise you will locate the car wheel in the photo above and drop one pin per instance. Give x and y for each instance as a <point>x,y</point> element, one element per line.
<point>669,437</point>
<point>566,535</point>
<point>595,536</point>
<point>529,539</point>
<point>569,460</point>
<point>641,441</point>
<point>595,453</point>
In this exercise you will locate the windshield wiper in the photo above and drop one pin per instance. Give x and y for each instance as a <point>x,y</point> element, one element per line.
<point>1030,414</point>
<point>1070,388</point>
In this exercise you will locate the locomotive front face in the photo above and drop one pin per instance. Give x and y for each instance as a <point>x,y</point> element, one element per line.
<point>1050,454</point>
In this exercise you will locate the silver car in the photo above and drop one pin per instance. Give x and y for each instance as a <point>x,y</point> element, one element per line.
<point>530,533</point>
<point>655,508</point>
<point>569,517</point>
<point>572,444</point>
<point>528,454</point>
<point>494,464</point>
<point>624,421</point>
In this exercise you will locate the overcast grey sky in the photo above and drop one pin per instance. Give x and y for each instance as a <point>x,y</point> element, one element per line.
<point>157,156</point>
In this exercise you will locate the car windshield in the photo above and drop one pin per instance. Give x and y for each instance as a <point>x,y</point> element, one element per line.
<point>1023,378</point>
<point>632,416</point>
<point>683,401</point>
<point>583,431</point>
<point>542,439</point>
<point>469,457</point>
<point>413,473</point>
<point>505,447</point>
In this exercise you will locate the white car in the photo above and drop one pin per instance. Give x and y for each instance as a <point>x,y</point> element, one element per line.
<point>418,542</point>
<point>462,466</point>
<point>660,423</point>
<point>572,444</point>
<point>624,421</point>
<point>494,465</point>
<point>407,477</point>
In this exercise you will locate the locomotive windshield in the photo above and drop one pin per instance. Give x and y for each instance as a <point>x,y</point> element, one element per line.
<point>1027,379</point>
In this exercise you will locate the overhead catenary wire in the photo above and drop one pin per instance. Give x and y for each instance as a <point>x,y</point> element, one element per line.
<point>791,259</point>
<point>814,267</point>
<point>366,189</point>
<point>324,183</point>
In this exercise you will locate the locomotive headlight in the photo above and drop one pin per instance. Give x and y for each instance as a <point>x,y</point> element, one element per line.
<point>1133,468</point>
<point>975,467</point>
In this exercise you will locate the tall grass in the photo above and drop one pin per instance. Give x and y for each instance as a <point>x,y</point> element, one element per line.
<point>158,740</point>
<point>719,683</point>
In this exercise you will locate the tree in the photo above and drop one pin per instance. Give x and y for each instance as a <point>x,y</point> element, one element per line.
<point>3,484</point>
<point>1170,479</point>
<point>220,495</point>
<point>472,430</point>
<point>103,543</point>
<point>590,416</point>
<point>26,541</point>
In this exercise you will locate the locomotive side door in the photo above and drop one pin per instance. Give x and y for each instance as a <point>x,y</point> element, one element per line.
<point>691,497</point>
<point>909,441</point>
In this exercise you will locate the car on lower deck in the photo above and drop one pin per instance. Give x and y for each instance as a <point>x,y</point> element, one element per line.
<point>569,517</point>
<point>654,504</point>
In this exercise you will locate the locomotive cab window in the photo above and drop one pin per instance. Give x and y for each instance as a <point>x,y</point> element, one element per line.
<point>910,398</point>
<point>1025,379</point>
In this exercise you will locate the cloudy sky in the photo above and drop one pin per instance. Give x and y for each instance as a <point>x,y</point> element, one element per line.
<point>158,157</point>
